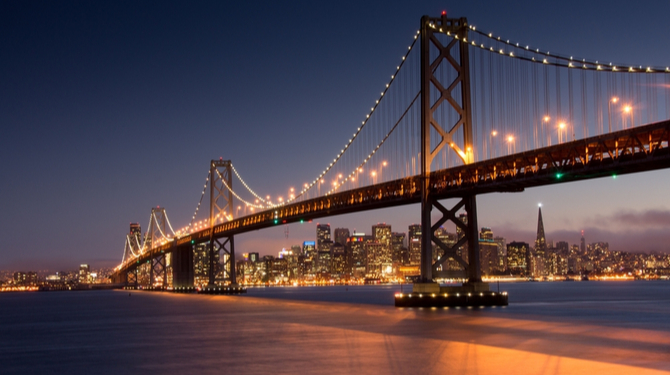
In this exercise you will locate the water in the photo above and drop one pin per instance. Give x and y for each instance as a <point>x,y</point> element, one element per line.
<point>555,327</point>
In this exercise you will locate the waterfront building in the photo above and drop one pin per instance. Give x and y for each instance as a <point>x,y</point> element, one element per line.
<point>84,273</point>
<point>25,278</point>
<point>518,258</point>
<point>414,244</point>
<point>357,257</point>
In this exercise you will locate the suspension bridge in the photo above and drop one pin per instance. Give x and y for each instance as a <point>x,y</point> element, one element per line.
<point>465,112</point>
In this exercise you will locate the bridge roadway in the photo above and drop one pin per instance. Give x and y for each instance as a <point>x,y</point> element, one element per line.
<point>643,148</point>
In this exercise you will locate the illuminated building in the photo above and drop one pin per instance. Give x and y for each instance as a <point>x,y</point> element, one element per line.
<point>541,261</point>
<point>338,265</point>
<point>309,251</point>
<point>502,253</point>
<point>25,278</point>
<point>374,254</point>
<point>322,235</point>
<point>84,273</point>
<point>383,259</point>
<point>341,235</point>
<point>253,257</point>
<point>400,254</point>
<point>488,252</point>
<point>277,270</point>
<point>324,257</point>
<point>201,263</point>
<point>357,253</point>
<point>518,258</point>
<point>414,244</point>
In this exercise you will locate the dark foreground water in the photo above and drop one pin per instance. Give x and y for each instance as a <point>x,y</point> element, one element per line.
<point>560,327</point>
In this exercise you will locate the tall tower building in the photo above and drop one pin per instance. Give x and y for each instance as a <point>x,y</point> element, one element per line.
<point>540,242</point>
<point>582,246</point>
<point>384,254</point>
<point>322,235</point>
<point>414,244</point>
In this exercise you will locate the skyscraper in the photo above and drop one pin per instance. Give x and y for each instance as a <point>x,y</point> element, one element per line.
<point>540,242</point>
<point>322,235</point>
<point>414,244</point>
<point>383,254</point>
<point>399,250</point>
<point>542,263</point>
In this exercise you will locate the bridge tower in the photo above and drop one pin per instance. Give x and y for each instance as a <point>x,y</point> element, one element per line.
<point>221,210</point>
<point>451,96</point>
<point>159,264</point>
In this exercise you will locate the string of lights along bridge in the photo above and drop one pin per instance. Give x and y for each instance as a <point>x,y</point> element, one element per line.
<point>465,111</point>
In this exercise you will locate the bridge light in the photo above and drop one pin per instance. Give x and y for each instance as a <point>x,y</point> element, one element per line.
<point>614,176</point>
<point>192,242</point>
<point>559,175</point>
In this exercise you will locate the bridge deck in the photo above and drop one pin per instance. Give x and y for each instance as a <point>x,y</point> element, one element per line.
<point>639,149</point>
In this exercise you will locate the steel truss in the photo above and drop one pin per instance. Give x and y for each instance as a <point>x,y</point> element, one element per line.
<point>221,208</point>
<point>224,250</point>
<point>159,266</point>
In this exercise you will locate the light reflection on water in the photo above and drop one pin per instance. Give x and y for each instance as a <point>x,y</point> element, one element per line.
<point>551,327</point>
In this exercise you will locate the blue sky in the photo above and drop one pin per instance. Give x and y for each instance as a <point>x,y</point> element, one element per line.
<point>109,109</point>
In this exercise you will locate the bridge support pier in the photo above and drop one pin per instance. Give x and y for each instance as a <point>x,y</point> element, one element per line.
<point>182,267</point>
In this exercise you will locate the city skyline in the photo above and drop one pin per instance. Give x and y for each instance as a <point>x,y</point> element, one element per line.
<point>110,112</point>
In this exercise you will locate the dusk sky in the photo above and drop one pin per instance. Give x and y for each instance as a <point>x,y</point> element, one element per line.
<point>108,109</point>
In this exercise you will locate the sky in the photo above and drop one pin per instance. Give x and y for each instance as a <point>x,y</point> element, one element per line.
<point>108,109</point>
